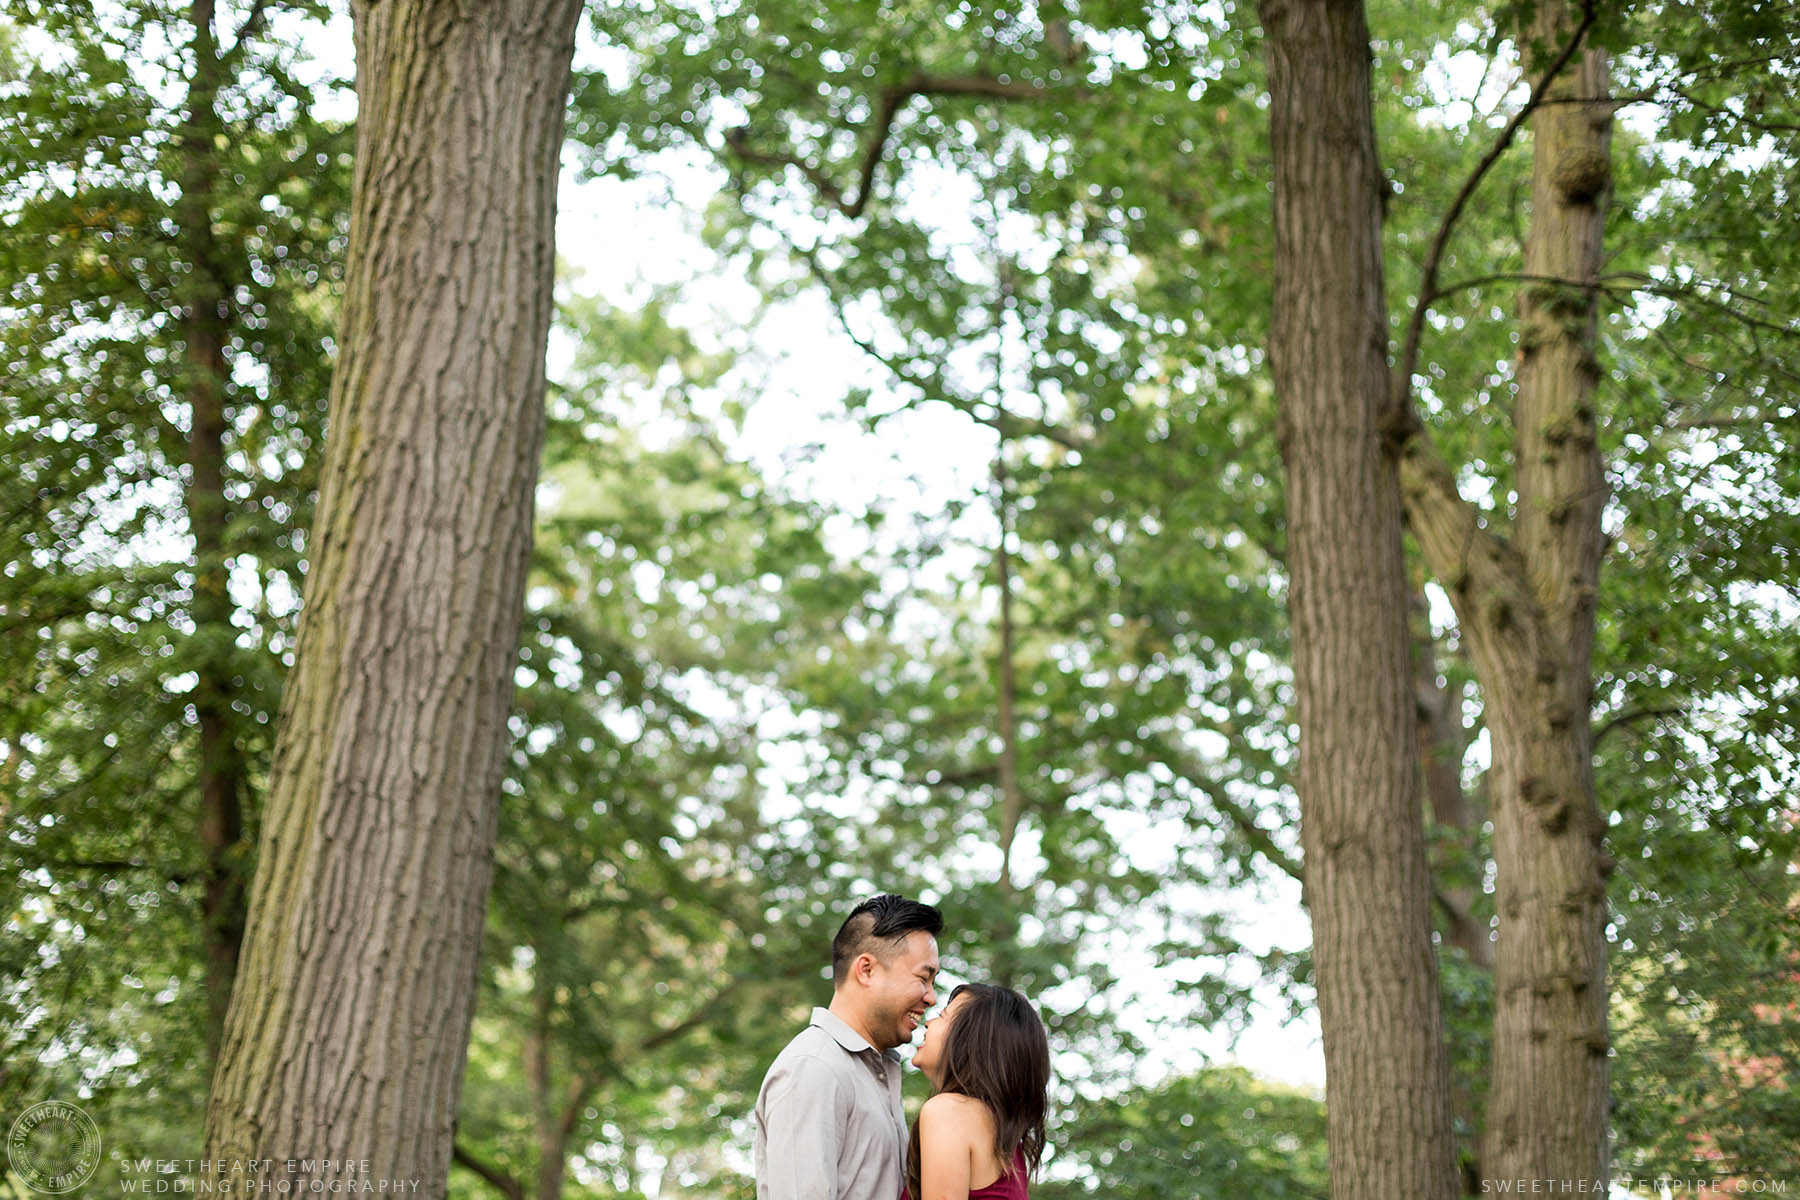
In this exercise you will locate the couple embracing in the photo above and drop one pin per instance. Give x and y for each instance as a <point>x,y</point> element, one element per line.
<point>829,1125</point>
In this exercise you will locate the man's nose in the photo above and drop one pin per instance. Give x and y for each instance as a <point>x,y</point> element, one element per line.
<point>930,996</point>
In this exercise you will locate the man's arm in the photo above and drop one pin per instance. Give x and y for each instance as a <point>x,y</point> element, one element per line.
<point>801,1121</point>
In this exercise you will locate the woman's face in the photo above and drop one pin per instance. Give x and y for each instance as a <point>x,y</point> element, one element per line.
<point>929,1057</point>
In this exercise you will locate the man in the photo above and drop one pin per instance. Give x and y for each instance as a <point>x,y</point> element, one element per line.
<point>828,1119</point>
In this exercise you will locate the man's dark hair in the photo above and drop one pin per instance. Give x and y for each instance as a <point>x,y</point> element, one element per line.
<point>879,926</point>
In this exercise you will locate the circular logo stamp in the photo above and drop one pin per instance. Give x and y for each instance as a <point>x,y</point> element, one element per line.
<point>54,1146</point>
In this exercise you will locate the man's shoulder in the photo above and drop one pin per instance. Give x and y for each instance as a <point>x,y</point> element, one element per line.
<point>811,1042</point>
<point>812,1062</point>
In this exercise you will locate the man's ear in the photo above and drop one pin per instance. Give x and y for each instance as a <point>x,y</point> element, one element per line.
<point>863,969</point>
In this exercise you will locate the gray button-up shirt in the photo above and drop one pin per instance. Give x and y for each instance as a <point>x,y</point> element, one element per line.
<point>828,1120</point>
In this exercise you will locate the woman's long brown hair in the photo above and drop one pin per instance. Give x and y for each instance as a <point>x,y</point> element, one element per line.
<point>995,1052</point>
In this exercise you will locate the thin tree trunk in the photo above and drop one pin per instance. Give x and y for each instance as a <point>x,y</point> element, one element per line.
<point>553,1122</point>
<point>205,326</point>
<point>1442,745</point>
<point>537,1073</point>
<point>1526,609</point>
<point>1004,933</point>
<point>1455,821</point>
<point>553,1140</point>
<point>348,1029</point>
<point>1011,800</point>
<point>1386,1078</point>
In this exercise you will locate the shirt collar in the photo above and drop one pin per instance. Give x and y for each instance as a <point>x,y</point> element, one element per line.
<point>840,1031</point>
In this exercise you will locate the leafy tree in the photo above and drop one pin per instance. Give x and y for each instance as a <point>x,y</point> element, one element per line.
<point>1533,543</point>
<point>1057,355</point>
<point>1462,377</point>
<point>1525,604</point>
<point>174,216</point>
<point>349,1026</point>
<point>1000,694</point>
<point>651,933</point>
<point>1385,1066</point>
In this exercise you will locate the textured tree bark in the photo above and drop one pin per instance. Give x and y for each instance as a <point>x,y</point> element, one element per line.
<point>206,328</point>
<point>1386,1078</point>
<point>1547,1113</point>
<point>1526,607</point>
<point>348,1028</point>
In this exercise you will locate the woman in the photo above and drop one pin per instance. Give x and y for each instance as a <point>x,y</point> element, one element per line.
<point>981,1136</point>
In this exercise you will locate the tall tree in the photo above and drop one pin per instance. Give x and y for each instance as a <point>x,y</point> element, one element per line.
<point>175,206</point>
<point>1145,228</point>
<point>348,1029</point>
<point>1386,1075</point>
<point>206,326</point>
<point>645,943</point>
<point>1148,676</point>
<point>1644,381</point>
<point>1526,606</point>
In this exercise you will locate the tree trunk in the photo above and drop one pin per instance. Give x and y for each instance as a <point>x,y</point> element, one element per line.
<point>1526,608</point>
<point>553,1140</point>
<point>1004,933</point>
<point>348,1029</point>
<point>1455,823</point>
<point>1547,1114</point>
<point>553,1122</point>
<point>1012,802</point>
<point>205,324</point>
<point>1386,1078</point>
<point>1442,745</point>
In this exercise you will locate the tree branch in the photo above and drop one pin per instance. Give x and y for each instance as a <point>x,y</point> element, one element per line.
<point>1480,281</point>
<point>1462,553</point>
<point>251,24</point>
<point>931,385</point>
<point>1692,292</point>
<point>1626,719</point>
<point>1748,420</point>
<point>576,1099</point>
<point>503,1183</point>
<point>1741,118</point>
<point>679,1030</point>
<point>889,103</point>
<point>109,865</point>
<point>1258,837</point>
<point>1180,760</point>
<point>1464,929</point>
<point>1401,419</point>
<point>1619,284</point>
<point>977,774</point>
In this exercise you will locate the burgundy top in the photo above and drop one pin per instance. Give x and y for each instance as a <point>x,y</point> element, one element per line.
<point>1007,1187</point>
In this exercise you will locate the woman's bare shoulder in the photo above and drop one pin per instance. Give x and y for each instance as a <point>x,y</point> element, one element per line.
<point>960,1129</point>
<point>952,1110</point>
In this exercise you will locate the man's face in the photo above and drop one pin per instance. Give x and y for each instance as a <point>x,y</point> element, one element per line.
<point>900,990</point>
